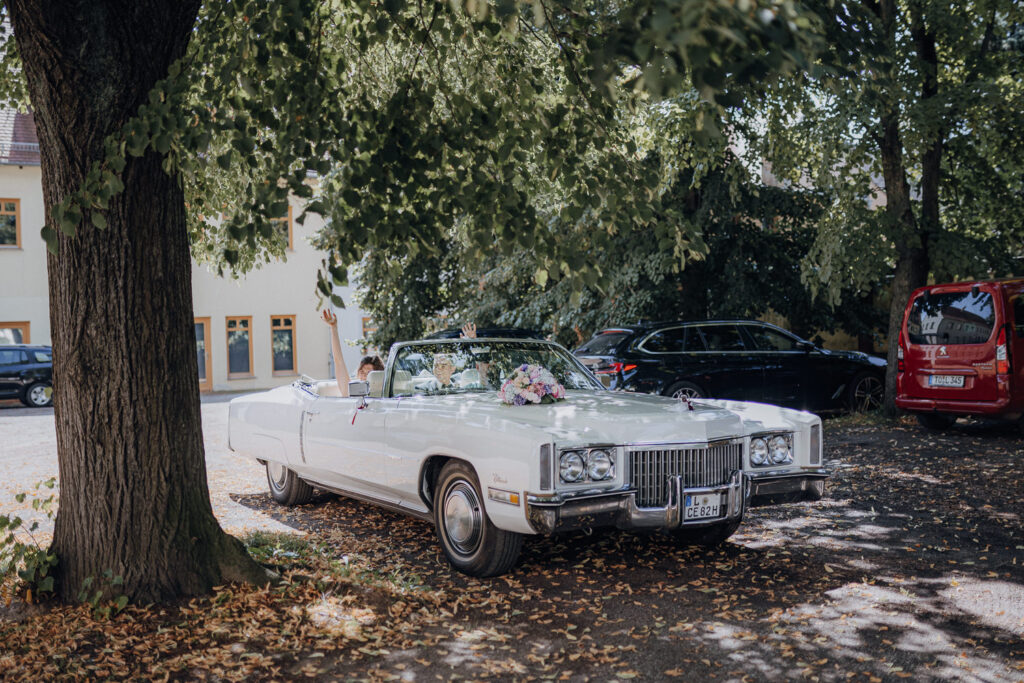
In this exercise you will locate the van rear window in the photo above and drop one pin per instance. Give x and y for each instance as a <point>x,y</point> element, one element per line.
<point>951,318</point>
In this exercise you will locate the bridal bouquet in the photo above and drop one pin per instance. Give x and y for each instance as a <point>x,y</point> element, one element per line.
<point>531,384</point>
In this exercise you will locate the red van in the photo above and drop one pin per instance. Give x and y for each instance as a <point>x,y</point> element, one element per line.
<point>961,352</point>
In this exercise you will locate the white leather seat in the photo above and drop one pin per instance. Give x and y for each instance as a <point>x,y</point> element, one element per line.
<point>376,380</point>
<point>328,388</point>
<point>402,383</point>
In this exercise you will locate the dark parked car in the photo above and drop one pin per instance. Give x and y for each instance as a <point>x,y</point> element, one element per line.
<point>26,373</point>
<point>734,359</point>
<point>493,332</point>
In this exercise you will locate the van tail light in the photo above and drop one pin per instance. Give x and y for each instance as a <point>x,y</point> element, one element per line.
<point>1002,358</point>
<point>615,368</point>
<point>899,354</point>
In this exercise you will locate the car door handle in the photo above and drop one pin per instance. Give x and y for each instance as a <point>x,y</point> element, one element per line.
<point>311,413</point>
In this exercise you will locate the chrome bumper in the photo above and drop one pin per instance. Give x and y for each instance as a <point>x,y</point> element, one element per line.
<point>552,513</point>
<point>772,488</point>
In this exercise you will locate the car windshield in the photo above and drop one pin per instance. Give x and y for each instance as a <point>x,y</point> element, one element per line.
<point>475,366</point>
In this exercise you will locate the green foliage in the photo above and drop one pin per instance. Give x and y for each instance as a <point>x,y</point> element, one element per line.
<point>25,560</point>
<point>393,108</point>
<point>753,244</point>
<point>94,591</point>
<point>826,130</point>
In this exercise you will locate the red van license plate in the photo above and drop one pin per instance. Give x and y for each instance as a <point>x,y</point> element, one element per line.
<point>946,381</point>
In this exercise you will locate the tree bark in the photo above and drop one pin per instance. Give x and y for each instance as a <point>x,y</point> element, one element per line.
<point>911,246</point>
<point>133,496</point>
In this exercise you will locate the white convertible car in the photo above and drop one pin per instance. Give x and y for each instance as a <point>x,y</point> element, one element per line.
<point>430,436</point>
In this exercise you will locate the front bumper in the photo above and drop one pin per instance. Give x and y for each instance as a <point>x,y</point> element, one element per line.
<point>554,513</point>
<point>772,488</point>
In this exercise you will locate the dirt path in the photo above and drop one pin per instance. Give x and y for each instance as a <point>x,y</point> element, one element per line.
<point>911,568</point>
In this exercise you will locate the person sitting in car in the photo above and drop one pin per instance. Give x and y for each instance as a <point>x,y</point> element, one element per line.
<point>367,364</point>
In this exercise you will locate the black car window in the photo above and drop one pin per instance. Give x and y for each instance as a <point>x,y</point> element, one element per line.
<point>767,339</point>
<point>666,341</point>
<point>604,343</point>
<point>43,356</point>
<point>693,342</point>
<point>951,318</point>
<point>722,338</point>
<point>1018,314</point>
<point>11,357</point>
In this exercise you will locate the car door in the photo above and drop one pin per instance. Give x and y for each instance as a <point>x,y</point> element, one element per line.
<point>729,369</point>
<point>12,361</point>
<point>1016,307</point>
<point>785,364</point>
<point>343,445</point>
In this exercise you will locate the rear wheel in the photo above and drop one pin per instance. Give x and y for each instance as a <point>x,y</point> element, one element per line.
<point>709,537</point>
<point>866,392</point>
<point>286,487</point>
<point>681,390</point>
<point>471,542</point>
<point>935,421</point>
<point>38,395</point>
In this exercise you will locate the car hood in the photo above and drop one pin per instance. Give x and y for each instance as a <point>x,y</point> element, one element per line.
<point>622,418</point>
<point>856,357</point>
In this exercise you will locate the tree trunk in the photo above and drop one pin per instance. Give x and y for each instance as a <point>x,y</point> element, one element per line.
<point>134,497</point>
<point>911,246</point>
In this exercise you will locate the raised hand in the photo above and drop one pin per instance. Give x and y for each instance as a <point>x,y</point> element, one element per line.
<point>328,317</point>
<point>469,331</point>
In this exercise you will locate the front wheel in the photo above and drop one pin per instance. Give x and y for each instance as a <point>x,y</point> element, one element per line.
<point>935,421</point>
<point>866,392</point>
<point>38,395</point>
<point>471,542</point>
<point>286,487</point>
<point>683,390</point>
<point>709,537</point>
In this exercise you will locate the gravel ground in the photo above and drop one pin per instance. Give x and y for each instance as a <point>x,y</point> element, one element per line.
<point>911,568</point>
<point>28,455</point>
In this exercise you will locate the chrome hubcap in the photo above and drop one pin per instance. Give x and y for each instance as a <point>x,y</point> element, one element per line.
<point>38,396</point>
<point>276,472</point>
<point>463,517</point>
<point>686,393</point>
<point>868,393</point>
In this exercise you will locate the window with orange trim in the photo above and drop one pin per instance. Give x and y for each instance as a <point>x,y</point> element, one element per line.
<point>282,344</point>
<point>10,223</point>
<point>15,333</point>
<point>284,226</point>
<point>239,330</point>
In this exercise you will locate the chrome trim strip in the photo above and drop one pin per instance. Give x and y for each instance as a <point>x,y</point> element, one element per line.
<point>672,445</point>
<point>787,474</point>
<point>394,507</point>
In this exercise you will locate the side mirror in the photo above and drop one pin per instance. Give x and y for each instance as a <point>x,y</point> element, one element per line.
<point>805,346</point>
<point>358,388</point>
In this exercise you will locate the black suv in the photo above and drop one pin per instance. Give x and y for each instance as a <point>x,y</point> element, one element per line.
<point>734,359</point>
<point>26,373</point>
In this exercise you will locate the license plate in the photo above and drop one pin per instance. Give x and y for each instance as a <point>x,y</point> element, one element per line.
<point>946,380</point>
<point>703,506</point>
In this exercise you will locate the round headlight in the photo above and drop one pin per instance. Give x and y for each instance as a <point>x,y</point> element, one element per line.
<point>758,451</point>
<point>599,465</point>
<point>570,466</point>
<point>779,447</point>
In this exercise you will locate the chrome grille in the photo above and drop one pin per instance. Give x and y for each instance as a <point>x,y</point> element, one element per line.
<point>650,469</point>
